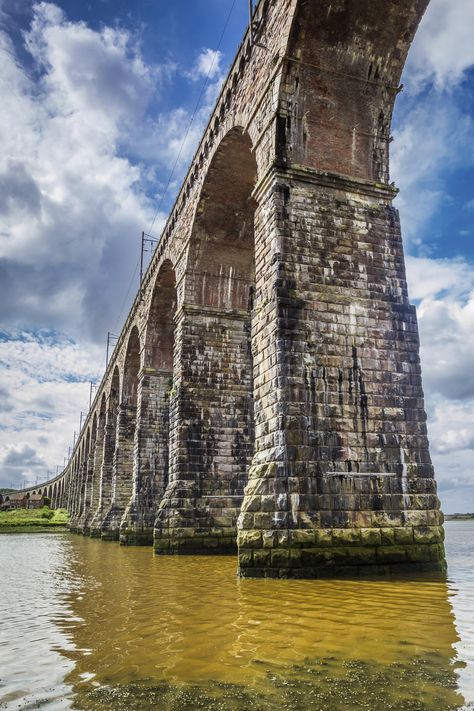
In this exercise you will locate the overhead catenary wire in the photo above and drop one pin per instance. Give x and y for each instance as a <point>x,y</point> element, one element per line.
<point>178,157</point>
<point>194,114</point>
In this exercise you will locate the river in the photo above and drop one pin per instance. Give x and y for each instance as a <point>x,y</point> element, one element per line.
<point>91,625</point>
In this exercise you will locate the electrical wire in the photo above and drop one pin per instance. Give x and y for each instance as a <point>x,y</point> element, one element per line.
<point>196,109</point>
<point>175,165</point>
<point>126,296</point>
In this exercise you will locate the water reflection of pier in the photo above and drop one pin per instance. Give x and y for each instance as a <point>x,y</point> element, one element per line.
<point>177,621</point>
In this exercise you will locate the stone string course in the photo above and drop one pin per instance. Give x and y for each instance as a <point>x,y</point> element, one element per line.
<point>265,394</point>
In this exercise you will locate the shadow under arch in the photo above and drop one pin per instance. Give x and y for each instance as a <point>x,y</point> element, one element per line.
<point>85,521</point>
<point>79,486</point>
<point>122,475</point>
<point>151,465</point>
<point>211,412</point>
<point>108,456</point>
<point>84,501</point>
<point>99,459</point>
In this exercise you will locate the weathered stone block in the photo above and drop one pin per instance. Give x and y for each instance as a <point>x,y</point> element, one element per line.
<point>428,534</point>
<point>404,536</point>
<point>262,558</point>
<point>245,559</point>
<point>280,558</point>
<point>250,539</point>
<point>323,537</point>
<point>302,538</point>
<point>387,536</point>
<point>391,554</point>
<point>346,537</point>
<point>370,537</point>
<point>314,557</point>
<point>418,554</point>
<point>263,520</point>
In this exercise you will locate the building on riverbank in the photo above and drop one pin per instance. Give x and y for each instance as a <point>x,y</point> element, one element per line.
<point>15,501</point>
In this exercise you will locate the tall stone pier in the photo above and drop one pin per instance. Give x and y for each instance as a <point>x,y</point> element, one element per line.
<point>265,394</point>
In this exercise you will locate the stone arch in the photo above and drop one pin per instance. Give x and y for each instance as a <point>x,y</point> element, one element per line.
<point>159,341</point>
<point>131,369</point>
<point>94,429</point>
<point>211,414</point>
<point>110,444</point>
<point>72,485</point>
<point>124,456</point>
<point>78,484</point>
<point>83,474</point>
<point>114,396</point>
<point>151,463</point>
<point>65,482</point>
<point>341,84</point>
<point>327,206</point>
<point>88,471</point>
<point>99,426</point>
<point>222,249</point>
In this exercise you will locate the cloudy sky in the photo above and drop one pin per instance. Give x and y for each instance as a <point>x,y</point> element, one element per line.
<point>95,103</point>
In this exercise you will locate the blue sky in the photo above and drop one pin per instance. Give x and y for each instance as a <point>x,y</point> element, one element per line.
<point>95,103</point>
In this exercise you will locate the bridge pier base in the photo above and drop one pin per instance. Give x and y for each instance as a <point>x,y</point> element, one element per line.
<point>190,524</point>
<point>211,431</point>
<point>150,467</point>
<point>342,481</point>
<point>122,472</point>
<point>95,530</point>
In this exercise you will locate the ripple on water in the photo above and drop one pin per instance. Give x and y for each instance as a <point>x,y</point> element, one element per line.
<point>98,626</point>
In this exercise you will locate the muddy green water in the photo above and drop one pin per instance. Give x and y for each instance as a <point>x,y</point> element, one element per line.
<point>90,625</point>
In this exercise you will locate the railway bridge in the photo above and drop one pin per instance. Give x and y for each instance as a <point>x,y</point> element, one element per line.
<point>265,392</point>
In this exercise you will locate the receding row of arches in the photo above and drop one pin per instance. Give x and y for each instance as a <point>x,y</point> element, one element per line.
<point>180,407</point>
<point>53,494</point>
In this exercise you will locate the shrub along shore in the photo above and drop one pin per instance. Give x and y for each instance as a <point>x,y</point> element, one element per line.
<point>33,520</point>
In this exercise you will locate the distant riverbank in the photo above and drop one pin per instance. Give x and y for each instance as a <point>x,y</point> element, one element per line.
<point>33,520</point>
<point>459,517</point>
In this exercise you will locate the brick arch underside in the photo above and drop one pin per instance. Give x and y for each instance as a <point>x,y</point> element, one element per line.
<point>221,268</point>
<point>123,461</point>
<point>108,455</point>
<point>342,78</point>
<point>211,410</point>
<point>151,464</point>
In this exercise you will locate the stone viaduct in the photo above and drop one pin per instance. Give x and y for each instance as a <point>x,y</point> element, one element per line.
<point>265,393</point>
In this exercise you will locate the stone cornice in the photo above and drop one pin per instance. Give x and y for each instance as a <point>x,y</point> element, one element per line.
<point>335,181</point>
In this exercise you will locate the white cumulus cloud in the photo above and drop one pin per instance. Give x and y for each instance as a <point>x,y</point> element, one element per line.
<point>443,49</point>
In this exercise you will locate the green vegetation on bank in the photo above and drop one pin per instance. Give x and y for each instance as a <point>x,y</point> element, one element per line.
<point>459,517</point>
<point>32,519</point>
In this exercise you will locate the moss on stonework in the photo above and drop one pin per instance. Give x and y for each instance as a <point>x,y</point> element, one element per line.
<point>108,535</point>
<point>195,545</point>
<point>132,537</point>
<point>305,552</point>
